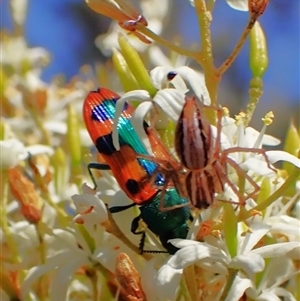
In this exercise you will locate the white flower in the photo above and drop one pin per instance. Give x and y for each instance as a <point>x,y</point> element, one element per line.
<point>12,151</point>
<point>64,255</point>
<point>282,225</point>
<point>92,210</point>
<point>15,52</point>
<point>194,80</point>
<point>238,141</point>
<point>54,112</point>
<point>167,101</point>
<point>212,255</point>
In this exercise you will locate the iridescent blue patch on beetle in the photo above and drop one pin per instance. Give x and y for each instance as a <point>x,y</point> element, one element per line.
<point>127,135</point>
<point>106,110</point>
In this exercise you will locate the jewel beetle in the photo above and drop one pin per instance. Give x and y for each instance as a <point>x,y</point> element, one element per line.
<point>134,174</point>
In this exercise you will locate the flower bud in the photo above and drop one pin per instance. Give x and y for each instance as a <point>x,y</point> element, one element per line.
<point>258,51</point>
<point>136,65</point>
<point>128,278</point>
<point>59,163</point>
<point>128,81</point>
<point>24,192</point>
<point>291,145</point>
<point>230,229</point>
<point>74,145</point>
<point>257,7</point>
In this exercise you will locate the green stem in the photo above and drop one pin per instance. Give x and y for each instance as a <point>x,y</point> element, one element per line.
<point>94,281</point>
<point>42,247</point>
<point>184,293</point>
<point>190,279</point>
<point>62,215</point>
<point>279,192</point>
<point>231,277</point>
<point>255,93</point>
<point>147,32</point>
<point>42,284</point>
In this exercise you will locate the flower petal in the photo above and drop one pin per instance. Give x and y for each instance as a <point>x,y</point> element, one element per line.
<point>276,250</point>
<point>137,122</point>
<point>62,278</point>
<point>170,101</point>
<point>197,82</point>
<point>250,263</point>
<point>193,252</point>
<point>281,292</point>
<point>258,230</point>
<point>238,4</point>
<point>39,149</point>
<point>267,296</point>
<point>253,136</point>
<point>271,276</point>
<point>167,282</point>
<point>137,95</point>
<point>12,150</point>
<point>238,288</point>
<point>91,209</point>
<point>258,165</point>
<point>56,126</point>
<point>52,262</point>
<point>275,156</point>
<point>159,78</point>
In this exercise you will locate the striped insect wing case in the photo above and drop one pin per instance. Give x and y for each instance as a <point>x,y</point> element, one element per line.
<point>134,174</point>
<point>131,173</point>
<point>193,145</point>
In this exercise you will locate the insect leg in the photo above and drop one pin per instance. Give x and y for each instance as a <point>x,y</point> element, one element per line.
<point>97,166</point>
<point>134,227</point>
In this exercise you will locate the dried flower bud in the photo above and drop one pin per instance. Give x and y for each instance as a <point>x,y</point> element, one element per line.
<point>257,7</point>
<point>128,16</point>
<point>23,190</point>
<point>129,279</point>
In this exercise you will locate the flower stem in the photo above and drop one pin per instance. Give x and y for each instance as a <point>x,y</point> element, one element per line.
<point>223,68</point>
<point>43,281</point>
<point>184,293</point>
<point>62,215</point>
<point>255,93</point>
<point>147,32</point>
<point>279,192</point>
<point>231,277</point>
<point>205,57</point>
<point>190,279</point>
<point>94,281</point>
<point>40,125</point>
